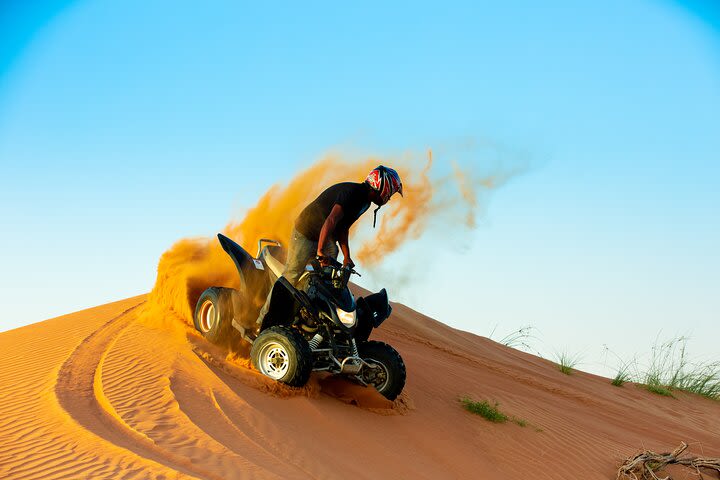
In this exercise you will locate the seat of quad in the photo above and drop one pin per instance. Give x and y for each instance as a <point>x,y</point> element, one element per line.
<point>275,265</point>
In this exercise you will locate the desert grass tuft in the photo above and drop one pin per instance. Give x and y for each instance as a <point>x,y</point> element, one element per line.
<point>491,412</point>
<point>658,389</point>
<point>622,375</point>
<point>669,369</point>
<point>703,380</point>
<point>519,421</point>
<point>566,362</point>
<point>520,339</point>
<point>619,379</point>
<point>485,410</point>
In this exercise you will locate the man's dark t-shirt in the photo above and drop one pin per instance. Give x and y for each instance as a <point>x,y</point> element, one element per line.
<point>352,197</point>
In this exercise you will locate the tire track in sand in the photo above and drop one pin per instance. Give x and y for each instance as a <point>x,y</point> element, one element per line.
<point>79,392</point>
<point>38,439</point>
<point>158,387</point>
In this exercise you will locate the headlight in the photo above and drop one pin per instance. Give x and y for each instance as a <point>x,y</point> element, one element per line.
<point>346,318</point>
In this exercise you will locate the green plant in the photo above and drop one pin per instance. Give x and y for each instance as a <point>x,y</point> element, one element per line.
<point>620,378</point>
<point>491,412</point>
<point>519,421</point>
<point>519,339</point>
<point>704,380</point>
<point>566,362</point>
<point>658,389</point>
<point>670,369</point>
<point>484,409</point>
<point>623,374</point>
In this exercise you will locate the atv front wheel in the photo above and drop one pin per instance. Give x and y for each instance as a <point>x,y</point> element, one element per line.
<point>214,313</point>
<point>282,354</point>
<point>388,376</point>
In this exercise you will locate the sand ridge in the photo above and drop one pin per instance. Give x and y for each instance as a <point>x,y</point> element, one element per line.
<point>103,394</point>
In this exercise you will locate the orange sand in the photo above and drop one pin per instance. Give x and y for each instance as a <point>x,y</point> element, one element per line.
<point>103,394</point>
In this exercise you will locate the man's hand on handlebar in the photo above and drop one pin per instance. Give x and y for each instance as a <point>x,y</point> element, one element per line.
<point>323,260</point>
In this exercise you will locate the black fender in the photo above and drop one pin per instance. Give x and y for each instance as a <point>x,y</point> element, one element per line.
<point>254,282</point>
<point>285,300</point>
<point>372,311</point>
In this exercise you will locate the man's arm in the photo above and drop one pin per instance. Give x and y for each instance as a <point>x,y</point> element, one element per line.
<point>328,227</point>
<point>342,238</point>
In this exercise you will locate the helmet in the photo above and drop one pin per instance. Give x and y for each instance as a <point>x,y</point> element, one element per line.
<point>386,181</point>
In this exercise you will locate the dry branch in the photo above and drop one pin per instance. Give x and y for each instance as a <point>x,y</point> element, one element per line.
<point>647,465</point>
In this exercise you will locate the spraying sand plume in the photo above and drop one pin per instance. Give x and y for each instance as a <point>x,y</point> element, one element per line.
<point>191,265</point>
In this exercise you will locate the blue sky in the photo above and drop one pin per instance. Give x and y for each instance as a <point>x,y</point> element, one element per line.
<point>125,126</point>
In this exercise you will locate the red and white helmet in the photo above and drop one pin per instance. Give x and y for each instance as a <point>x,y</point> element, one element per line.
<point>386,181</point>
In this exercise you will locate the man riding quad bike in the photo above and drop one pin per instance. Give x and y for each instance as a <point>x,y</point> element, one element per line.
<point>310,320</point>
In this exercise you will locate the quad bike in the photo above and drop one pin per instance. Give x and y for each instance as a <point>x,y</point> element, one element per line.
<point>318,325</point>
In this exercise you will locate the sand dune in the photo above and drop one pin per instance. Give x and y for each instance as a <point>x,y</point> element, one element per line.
<point>105,393</point>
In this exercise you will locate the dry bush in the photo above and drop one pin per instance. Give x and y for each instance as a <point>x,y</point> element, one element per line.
<point>648,465</point>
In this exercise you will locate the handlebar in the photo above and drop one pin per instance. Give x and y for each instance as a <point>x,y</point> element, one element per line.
<point>333,264</point>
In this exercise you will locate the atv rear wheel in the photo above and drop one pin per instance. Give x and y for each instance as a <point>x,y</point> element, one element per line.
<point>214,314</point>
<point>388,377</point>
<point>282,354</point>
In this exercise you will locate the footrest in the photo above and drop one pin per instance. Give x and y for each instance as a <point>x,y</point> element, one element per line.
<point>243,331</point>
